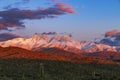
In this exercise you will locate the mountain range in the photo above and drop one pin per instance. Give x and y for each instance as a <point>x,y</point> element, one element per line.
<point>65,42</point>
<point>60,47</point>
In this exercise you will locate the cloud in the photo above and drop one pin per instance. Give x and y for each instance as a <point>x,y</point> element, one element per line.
<point>65,7</point>
<point>49,33</point>
<point>111,33</point>
<point>111,38</point>
<point>7,36</point>
<point>117,36</point>
<point>16,4</point>
<point>15,17</point>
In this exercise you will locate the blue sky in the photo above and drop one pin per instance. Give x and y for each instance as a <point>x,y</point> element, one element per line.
<point>92,18</point>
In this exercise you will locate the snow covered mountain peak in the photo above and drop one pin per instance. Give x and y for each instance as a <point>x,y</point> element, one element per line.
<point>40,41</point>
<point>66,38</point>
<point>56,37</point>
<point>65,42</point>
<point>36,37</point>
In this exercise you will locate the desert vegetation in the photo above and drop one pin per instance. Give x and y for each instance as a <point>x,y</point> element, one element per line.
<point>24,69</point>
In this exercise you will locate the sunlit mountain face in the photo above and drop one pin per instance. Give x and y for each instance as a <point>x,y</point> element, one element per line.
<point>65,42</point>
<point>60,47</point>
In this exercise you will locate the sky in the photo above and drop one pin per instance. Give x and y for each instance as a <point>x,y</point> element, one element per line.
<point>84,19</point>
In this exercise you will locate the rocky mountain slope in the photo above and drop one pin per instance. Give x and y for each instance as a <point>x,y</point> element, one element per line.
<point>58,55</point>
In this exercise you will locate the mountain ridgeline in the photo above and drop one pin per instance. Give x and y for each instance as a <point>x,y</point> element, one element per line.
<point>65,42</point>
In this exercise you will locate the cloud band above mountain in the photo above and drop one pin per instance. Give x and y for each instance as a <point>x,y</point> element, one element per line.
<point>14,17</point>
<point>113,33</point>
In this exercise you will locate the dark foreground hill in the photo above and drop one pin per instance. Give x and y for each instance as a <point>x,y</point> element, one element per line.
<point>24,69</point>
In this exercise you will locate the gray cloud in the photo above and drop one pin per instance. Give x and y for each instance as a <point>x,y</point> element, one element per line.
<point>111,33</point>
<point>15,17</point>
<point>7,36</point>
<point>49,33</point>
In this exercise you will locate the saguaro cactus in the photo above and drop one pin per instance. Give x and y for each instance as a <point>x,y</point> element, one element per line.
<point>23,76</point>
<point>42,73</point>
